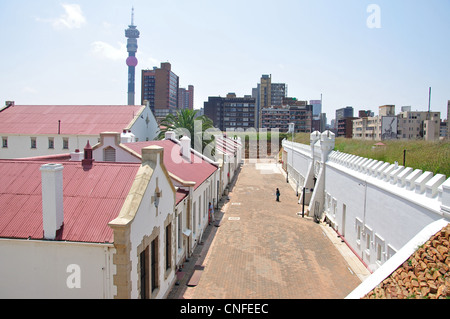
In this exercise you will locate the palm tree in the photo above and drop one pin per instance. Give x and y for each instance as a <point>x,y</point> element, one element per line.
<point>187,123</point>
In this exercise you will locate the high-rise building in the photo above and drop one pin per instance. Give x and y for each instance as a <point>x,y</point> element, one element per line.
<point>317,108</point>
<point>344,112</point>
<point>279,117</point>
<point>132,34</point>
<point>186,98</point>
<point>291,110</point>
<point>268,94</point>
<point>265,91</point>
<point>278,92</point>
<point>231,112</point>
<point>160,87</point>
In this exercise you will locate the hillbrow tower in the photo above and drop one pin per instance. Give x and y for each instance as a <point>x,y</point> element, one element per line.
<point>132,34</point>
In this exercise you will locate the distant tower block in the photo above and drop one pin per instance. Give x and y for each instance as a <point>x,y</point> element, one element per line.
<point>132,34</point>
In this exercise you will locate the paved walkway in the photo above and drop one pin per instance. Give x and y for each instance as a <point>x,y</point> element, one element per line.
<point>263,249</point>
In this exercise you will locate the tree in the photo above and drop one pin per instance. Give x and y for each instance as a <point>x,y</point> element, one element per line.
<point>186,123</point>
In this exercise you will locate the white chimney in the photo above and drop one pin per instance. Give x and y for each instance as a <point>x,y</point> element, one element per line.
<point>127,137</point>
<point>186,147</point>
<point>169,135</point>
<point>76,156</point>
<point>52,199</point>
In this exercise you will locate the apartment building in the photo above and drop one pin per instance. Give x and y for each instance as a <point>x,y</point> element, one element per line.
<point>186,98</point>
<point>418,125</point>
<point>231,112</point>
<point>267,94</point>
<point>405,125</point>
<point>160,87</point>
<point>371,127</point>
<point>292,111</point>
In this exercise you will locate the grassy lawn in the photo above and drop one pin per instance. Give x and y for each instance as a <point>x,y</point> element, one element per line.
<point>427,156</point>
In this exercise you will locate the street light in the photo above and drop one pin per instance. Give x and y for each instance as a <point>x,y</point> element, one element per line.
<point>290,130</point>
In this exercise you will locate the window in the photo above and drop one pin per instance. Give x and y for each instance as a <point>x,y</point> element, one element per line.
<point>180,232</point>
<point>109,154</point>
<point>4,142</point>
<point>65,143</point>
<point>33,142</point>
<point>379,252</point>
<point>143,261</point>
<point>168,246</point>
<point>51,142</point>
<point>154,264</point>
<point>195,218</point>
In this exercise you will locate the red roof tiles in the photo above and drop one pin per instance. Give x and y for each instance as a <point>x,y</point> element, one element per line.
<point>92,199</point>
<point>75,119</point>
<point>198,170</point>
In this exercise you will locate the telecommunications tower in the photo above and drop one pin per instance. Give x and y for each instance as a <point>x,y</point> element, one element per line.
<point>132,34</point>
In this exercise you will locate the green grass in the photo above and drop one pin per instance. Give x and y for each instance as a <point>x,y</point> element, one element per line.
<point>424,155</point>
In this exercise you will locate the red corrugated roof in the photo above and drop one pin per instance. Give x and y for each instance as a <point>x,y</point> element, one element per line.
<point>91,199</point>
<point>75,119</point>
<point>198,170</point>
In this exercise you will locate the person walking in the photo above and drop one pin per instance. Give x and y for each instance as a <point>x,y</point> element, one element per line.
<point>278,195</point>
<point>211,213</point>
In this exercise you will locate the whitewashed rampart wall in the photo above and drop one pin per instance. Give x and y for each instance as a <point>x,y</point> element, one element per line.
<point>377,207</point>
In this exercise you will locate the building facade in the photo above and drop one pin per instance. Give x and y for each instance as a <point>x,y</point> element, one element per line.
<point>317,107</point>
<point>343,113</point>
<point>186,98</point>
<point>405,125</point>
<point>418,125</point>
<point>40,130</point>
<point>268,94</point>
<point>231,112</point>
<point>92,230</point>
<point>160,87</point>
<point>280,117</point>
<point>345,127</point>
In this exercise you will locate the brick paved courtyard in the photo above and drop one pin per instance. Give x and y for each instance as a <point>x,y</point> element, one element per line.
<point>264,249</point>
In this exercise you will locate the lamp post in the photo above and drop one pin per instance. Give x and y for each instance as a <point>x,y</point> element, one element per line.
<point>291,130</point>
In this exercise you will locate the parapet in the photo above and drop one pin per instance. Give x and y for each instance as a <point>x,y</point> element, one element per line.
<point>415,181</point>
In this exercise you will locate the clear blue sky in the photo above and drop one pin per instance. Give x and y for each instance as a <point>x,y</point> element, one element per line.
<point>58,52</point>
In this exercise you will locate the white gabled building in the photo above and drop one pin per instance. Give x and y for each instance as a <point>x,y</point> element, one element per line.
<point>40,130</point>
<point>194,176</point>
<point>87,229</point>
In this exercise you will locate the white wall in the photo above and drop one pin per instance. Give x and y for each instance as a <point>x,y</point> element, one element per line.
<point>109,140</point>
<point>377,206</point>
<point>146,219</point>
<point>389,218</point>
<point>141,129</point>
<point>39,269</point>
<point>180,227</point>
<point>19,146</point>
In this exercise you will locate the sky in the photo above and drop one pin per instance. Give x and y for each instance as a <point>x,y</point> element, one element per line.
<point>352,52</point>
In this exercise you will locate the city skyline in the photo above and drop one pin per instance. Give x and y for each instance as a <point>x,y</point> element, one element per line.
<point>354,54</point>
